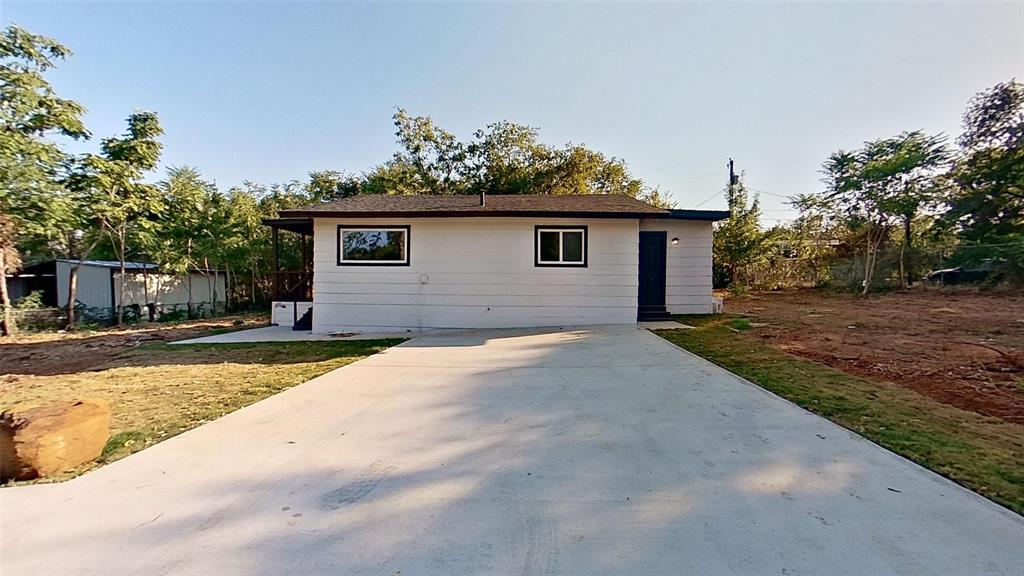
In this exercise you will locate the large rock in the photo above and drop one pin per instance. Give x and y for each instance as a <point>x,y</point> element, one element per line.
<point>48,439</point>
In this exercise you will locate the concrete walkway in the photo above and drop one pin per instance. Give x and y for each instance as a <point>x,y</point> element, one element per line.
<point>583,452</point>
<point>286,334</point>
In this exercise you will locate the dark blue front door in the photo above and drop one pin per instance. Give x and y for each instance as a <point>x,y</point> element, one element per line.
<point>652,270</point>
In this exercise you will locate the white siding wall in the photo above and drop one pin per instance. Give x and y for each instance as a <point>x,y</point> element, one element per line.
<point>688,273</point>
<point>476,273</point>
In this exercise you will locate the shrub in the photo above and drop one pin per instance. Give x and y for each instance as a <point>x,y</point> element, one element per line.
<point>740,324</point>
<point>172,315</point>
<point>34,301</point>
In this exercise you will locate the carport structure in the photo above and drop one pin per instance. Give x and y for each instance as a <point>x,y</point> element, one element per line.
<point>292,280</point>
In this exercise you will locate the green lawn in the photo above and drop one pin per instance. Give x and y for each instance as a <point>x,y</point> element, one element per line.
<point>983,453</point>
<point>159,390</point>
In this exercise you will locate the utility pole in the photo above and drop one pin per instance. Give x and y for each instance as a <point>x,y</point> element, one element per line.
<point>732,173</point>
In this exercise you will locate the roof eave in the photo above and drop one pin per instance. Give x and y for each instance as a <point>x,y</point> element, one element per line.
<point>297,224</point>
<point>469,214</point>
<point>704,215</point>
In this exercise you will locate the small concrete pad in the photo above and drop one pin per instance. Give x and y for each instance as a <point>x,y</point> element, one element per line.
<point>264,334</point>
<point>591,451</point>
<point>286,334</point>
<point>664,325</point>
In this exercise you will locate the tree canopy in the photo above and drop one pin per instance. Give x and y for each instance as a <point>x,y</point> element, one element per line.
<point>31,163</point>
<point>987,202</point>
<point>739,241</point>
<point>886,181</point>
<point>500,158</point>
<point>30,112</point>
<point>111,189</point>
<point>899,207</point>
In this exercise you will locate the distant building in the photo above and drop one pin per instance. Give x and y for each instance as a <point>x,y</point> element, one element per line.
<point>99,284</point>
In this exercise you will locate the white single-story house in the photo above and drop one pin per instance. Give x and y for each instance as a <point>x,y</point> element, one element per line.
<point>383,263</point>
<point>98,285</point>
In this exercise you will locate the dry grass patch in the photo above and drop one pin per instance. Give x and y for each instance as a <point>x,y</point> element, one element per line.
<point>158,390</point>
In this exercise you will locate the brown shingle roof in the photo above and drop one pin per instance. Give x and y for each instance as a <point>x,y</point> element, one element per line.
<point>575,205</point>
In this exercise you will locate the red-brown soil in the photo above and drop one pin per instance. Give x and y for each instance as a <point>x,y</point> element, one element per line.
<point>963,348</point>
<point>49,353</point>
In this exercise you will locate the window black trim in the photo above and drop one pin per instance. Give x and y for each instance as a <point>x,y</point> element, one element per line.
<point>408,243</point>
<point>536,247</point>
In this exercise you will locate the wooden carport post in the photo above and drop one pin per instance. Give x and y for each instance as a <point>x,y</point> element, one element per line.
<point>277,261</point>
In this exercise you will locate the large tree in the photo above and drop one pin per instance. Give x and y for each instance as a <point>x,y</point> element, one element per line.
<point>506,158</point>
<point>501,158</point>
<point>908,170</point>
<point>987,206</point>
<point>185,226</point>
<point>436,159</point>
<point>887,181</point>
<point>10,260</point>
<point>30,163</point>
<point>122,203</point>
<point>247,249</point>
<point>251,240</point>
<point>327,185</point>
<point>739,242</point>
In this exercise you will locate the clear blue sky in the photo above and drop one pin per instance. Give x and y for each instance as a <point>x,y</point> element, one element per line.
<point>269,92</point>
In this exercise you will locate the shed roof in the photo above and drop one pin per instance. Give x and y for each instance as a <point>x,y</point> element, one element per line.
<point>114,264</point>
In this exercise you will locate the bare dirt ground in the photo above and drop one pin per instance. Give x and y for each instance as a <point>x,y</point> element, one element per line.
<point>50,353</point>
<point>963,348</point>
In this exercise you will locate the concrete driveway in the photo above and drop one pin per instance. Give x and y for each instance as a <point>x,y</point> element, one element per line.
<point>605,451</point>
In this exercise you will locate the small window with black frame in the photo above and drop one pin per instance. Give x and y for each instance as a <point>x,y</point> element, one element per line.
<point>561,246</point>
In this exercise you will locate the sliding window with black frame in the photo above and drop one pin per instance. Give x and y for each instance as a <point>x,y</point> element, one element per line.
<point>560,246</point>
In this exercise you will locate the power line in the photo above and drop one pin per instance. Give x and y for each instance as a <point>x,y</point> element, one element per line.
<point>735,179</point>
<point>717,194</point>
<point>759,191</point>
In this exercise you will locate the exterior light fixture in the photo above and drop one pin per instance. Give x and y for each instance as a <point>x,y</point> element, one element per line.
<point>675,241</point>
